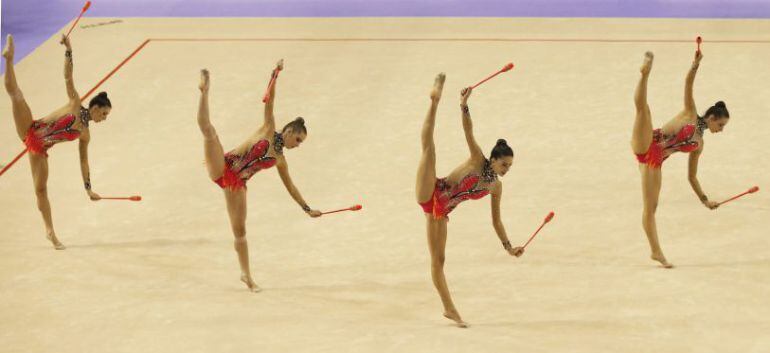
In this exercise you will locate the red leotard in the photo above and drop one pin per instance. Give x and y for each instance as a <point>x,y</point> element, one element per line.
<point>446,197</point>
<point>41,136</point>
<point>239,168</point>
<point>663,146</point>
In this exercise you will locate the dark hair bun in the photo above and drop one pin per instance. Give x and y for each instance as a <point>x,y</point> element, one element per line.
<point>501,149</point>
<point>717,111</point>
<point>297,125</point>
<point>100,100</point>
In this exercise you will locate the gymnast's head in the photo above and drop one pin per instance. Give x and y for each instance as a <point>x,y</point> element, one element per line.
<point>717,117</point>
<point>99,107</point>
<point>294,133</point>
<point>501,157</point>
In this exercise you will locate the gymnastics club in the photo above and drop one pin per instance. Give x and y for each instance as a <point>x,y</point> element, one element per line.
<point>353,208</point>
<point>130,198</point>
<point>85,8</point>
<point>270,85</point>
<point>505,68</point>
<point>750,191</point>
<point>546,220</point>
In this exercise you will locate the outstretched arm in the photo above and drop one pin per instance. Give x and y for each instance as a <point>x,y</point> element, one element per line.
<point>269,117</point>
<point>689,101</point>
<point>692,176</point>
<point>498,223</point>
<point>69,82</point>
<point>84,169</point>
<point>475,150</point>
<point>283,171</point>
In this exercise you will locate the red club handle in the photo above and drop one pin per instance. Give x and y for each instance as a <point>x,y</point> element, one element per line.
<point>547,219</point>
<point>130,198</point>
<point>270,85</point>
<point>352,208</point>
<point>699,40</point>
<point>505,68</point>
<point>749,191</point>
<point>85,8</point>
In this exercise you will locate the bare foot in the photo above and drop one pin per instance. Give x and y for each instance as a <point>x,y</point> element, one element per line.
<point>662,259</point>
<point>8,51</point>
<point>438,86</point>
<point>647,65</point>
<point>204,84</point>
<point>250,283</point>
<point>51,236</point>
<point>454,316</point>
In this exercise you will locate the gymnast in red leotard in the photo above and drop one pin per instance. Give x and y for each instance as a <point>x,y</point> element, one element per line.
<point>240,168</point>
<point>231,170</point>
<point>684,133</point>
<point>472,180</point>
<point>67,123</point>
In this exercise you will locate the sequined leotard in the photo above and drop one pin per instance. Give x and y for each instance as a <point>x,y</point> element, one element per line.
<point>41,135</point>
<point>471,187</point>
<point>686,140</point>
<point>239,168</point>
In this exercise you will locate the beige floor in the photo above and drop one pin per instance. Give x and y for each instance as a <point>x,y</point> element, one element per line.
<point>161,275</point>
